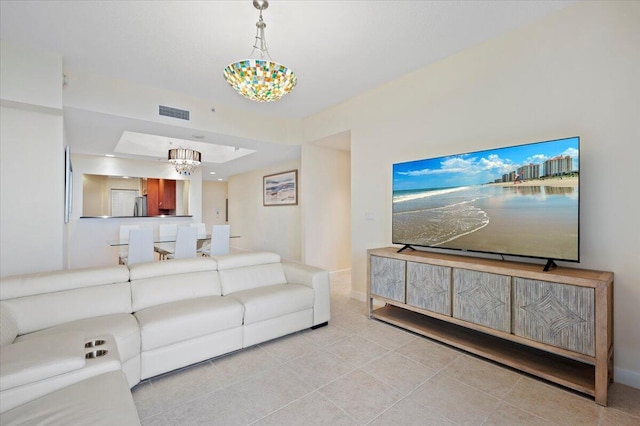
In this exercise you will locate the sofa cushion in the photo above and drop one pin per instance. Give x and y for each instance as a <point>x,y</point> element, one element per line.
<point>272,301</point>
<point>245,271</point>
<point>187,319</point>
<point>240,260</point>
<point>100,400</point>
<point>123,327</point>
<point>141,271</point>
<point>157,283</point>
<point>40,311</point>
<point>38,359</point>
<point>250,277</point>
<point>49,282</point>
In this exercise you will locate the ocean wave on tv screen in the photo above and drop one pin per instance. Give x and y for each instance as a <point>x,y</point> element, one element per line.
<point>404,196</point>
<point>435,226</point>
<point>413,201</point>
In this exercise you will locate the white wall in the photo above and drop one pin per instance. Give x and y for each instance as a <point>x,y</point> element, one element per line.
<point>30,76</point>
<point>31,161</point>
<point>32,200</point>
<point>326,211</point>
<point>88,236</point>
<point>214,197</point>
<point>94,195</point>
<point>572,73</point>
<point>275,228</point>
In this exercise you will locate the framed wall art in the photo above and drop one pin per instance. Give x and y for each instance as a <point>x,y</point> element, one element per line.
<point>280,189</point>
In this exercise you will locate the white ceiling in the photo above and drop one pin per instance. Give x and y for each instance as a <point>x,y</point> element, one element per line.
<point>338,49</point>
<point>92,132</point>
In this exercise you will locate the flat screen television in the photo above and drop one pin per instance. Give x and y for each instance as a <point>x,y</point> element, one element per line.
<point>519,201</point>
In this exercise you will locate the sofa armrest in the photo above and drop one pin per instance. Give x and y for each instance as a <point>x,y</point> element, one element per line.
<point>38,359</point>
<point>318,280</point>
<point>100,400</point>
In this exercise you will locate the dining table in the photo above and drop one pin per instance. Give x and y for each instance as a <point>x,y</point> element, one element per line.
<point>163,246</point>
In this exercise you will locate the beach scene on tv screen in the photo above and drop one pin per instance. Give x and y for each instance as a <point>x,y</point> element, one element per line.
<point>520,200</point>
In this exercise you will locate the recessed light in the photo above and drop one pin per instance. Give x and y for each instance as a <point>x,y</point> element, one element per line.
<point>109,155</point>
<point>220,179</point>
<point>212,173</point>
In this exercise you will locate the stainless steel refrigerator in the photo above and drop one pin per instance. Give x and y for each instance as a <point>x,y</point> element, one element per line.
<point>140,206</point>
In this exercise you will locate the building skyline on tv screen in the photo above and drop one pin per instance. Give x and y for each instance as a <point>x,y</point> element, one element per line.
<point>520,200</point>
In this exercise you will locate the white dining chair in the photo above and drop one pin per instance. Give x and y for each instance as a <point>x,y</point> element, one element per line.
<point>202,229</point>
<point>167,232</point>
<point>186,241</point>
<point>219,241</point>
<point>124,236</point>
<point>140,246</point>
<point>202,233</point>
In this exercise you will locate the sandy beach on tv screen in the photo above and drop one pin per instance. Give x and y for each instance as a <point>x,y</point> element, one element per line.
<point>530,232</point>
<point>535,239</point>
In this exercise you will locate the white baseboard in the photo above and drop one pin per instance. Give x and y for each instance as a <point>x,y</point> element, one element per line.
<point>626,377</point>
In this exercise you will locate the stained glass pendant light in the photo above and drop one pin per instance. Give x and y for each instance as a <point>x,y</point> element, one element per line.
<point>261,80</point>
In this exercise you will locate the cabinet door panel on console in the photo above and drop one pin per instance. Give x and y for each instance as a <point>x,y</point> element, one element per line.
<point>429,287</point>
<point>558,314</point>
<point>482,298</point>
<point>387,277</point>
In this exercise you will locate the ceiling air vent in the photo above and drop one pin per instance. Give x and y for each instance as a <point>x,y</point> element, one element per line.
<point>173,112</point>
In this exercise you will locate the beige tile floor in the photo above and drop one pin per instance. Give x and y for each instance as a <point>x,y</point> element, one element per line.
<point>358,371</point>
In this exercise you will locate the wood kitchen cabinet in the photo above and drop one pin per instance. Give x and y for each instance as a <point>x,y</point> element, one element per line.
<point>167,194</point>
<point>161,196</point>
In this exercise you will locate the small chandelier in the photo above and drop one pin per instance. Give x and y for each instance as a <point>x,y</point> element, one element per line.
<point>261,80</point>
<point>184,160</point>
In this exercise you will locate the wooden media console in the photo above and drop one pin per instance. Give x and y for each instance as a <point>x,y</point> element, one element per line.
<point>557,325</point>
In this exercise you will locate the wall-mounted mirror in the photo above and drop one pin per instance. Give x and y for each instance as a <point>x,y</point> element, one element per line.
<point>123,196</point>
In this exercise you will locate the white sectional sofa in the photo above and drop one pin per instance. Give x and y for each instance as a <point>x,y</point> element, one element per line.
<point>75,335</point>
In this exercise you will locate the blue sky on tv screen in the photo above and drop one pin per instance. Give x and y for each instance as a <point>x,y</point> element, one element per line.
<point>480,167</point>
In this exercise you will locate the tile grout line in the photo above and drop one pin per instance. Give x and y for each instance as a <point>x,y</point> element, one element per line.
<point>408,394</point>
<point>313,388</point>
<point>302,397</point>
